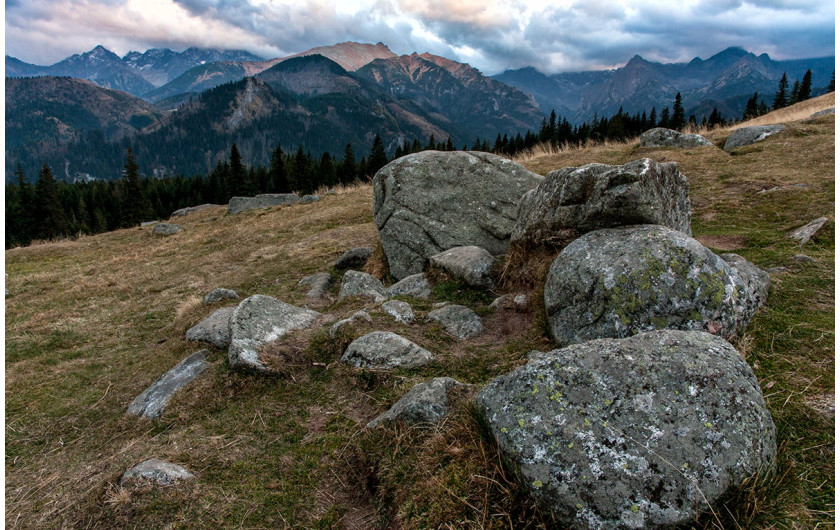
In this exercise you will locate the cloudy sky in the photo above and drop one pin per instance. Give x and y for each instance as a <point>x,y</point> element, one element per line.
<point>492,35</point>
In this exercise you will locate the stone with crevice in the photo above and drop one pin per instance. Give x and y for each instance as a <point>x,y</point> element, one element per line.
<point>150,404</point>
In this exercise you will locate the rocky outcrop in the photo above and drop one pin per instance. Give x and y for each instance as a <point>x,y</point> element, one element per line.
<point>362,284</point>
<point>214,329</point>
<point>805,234</point>
<point>459,321</point>
<point>166,229</point>
<point>425,404</point>
<point>353,258</point>
<point>432,201</point>
<point>383,349</point>
<point>750,135</point>
<point>416,285</point>
<point>154,471</point>
<point>259,320</point>
<point>219,295</point>
<point>662,137</point>
<point>259,202</point>
<point>632,433</point>
<point>575,200</point>
<point>470,264</point>
<point>622,281</point>
<point>152,402</point>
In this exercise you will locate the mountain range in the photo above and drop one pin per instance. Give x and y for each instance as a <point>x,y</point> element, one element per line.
<point>197,102</point>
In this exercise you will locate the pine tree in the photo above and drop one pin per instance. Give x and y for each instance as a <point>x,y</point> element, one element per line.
<point>678,116</point>
<point>831,83</point>
<point>378,158</point>
<point>347,169</point>
<point>665,117</point>
<point>751,110</point>
<point>239,185</point>
<point>794,93</point>
<point>780,101</point>
<point>52,221</point>
<point>805,87</point>
<point>278,176</point>
<point>135,207</point>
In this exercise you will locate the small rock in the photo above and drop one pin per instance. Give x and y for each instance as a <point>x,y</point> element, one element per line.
<point>166,229</point>
<point>802,258</point>
<point>521,300</point>
<point>214,329</point>
<point>151,403</point>
<point>217,295</point>
<point>154,471</point>
<point>319,283</point>
<point>361,284</point>
<point>416,285</point>
<point>804,234</point>
<point>457,320</point>
<point>401,311</point>
<point>383,349</point>
<point>470,264</point>
<point>750,135</point>
<point>353,258</point>
<point>426,403</point>
<point>358,316</point>
<point>662,137</point>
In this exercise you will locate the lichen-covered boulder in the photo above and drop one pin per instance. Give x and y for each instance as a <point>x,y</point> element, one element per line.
<point>431,201</point>
<point>219,295</point>
<point>576,200</point>
<point>383,349</point>
<point>154,471</point>
<point>622,281</point>
<point>416,285</point>
<point>662,137</point>
<point>470,264</point>
<point>459,321</point>
<point>214,329</point>
<point>259,320</point>
<point>151,403</point>
<point>426,403</point>
<point>357,283</point>
<point>750,135</point>
<point>631,433</point>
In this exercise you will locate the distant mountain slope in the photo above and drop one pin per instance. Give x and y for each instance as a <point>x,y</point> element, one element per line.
<point>726,80</point>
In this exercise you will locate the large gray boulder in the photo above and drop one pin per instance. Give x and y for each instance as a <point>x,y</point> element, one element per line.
<point>622,281</point>
<point>426,403</point>
<point>154,471</point>
<point>575,200</point>
<point>151,403</point>
<point>416,285</point>
<point>432,201</point>
<point>259,320</point>
<point>214,329</point>
<point>662,137</point>
<point>265,200</point>
<point>470,264</point>
<point>631,433</point>
<point>357,283</point>
<point>459,321</point>
<point>383,349</point>
<point>750,135</point>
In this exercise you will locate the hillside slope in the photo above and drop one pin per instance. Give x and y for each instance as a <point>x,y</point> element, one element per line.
<point>91,323</point>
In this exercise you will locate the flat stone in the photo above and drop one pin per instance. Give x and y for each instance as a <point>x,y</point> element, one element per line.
<point>386,350</point>
<point>804,234</point>
<point>457,320</point>
<point>425,404</point>
<point>470,264</point>
<point>154,471</point>
<point>214,329</point>
<point>152,402</point>
<point>750,135</point>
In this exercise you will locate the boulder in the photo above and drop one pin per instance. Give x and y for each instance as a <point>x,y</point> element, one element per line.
<point>154,471</point>
<point>151,403</point>
<point>356,283</point>
<point>631,433</point>
<point>383,349</point>
<point>265,200</point>
<point>470,264</point>
<point>309,199</point>
<point>353,258</point>
<point>431,201</point>
<point>426,403</point>
<point>805,234</point>
<point>750,135</point>
<point>575,200</point>
<point>185,211</point>
<point>166,229</point>
<point>826,112</point>
<point>214,329</point>
<point>259,320</point>
<point>355,318</point>
<point>416,285</point>
<point>756,279</point>
<point>622,281</point>
<point>218,295</point>
<point>401,311</point>
<point>459,321</point>
<point>662,137</point>
<point>319,284</point>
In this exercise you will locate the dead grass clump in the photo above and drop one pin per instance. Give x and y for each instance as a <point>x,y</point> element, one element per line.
<point>526,267</point>
<point>377,263</point>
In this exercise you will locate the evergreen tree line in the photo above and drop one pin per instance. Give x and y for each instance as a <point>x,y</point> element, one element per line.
<point>800,91</point>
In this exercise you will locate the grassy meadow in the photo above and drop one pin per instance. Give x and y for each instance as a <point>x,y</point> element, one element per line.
<point>90,323</point>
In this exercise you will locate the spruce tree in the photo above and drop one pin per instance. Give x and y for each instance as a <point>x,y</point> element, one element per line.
<point>378,158</point>
<point>780,101</point>
<point>239,185</point>
<point>678,116</point>
<point>831,83</point>
<point>347,169</point>
<point>135,207</point>
<point>794,93</point>
<point>751,110</point>
<point>52,221</point>
<point>805,87</point>
<point>278,176</point>
<point>665,117</point>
